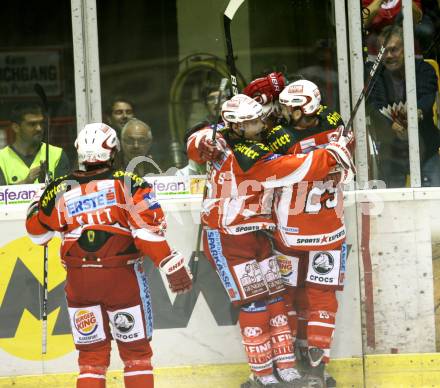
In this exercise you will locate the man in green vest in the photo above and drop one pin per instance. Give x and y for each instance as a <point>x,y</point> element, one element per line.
<point>24,161</point>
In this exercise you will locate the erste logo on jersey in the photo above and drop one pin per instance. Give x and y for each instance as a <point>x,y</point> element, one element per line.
<point>323,263</point>
<point>94,201</point>
<point>151,199</point>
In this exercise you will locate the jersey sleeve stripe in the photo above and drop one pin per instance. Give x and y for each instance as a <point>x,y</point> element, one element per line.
<point>147,235</point>
<point>41,239</point>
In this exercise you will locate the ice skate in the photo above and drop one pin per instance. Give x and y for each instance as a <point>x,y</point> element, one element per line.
<point>329,380</point>
<point>314,376</point>
<point>288,375</point>
<point>269,381</point>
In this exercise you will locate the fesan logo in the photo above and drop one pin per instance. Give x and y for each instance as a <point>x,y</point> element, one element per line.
<point>16,195</point>
<point>85,322</point>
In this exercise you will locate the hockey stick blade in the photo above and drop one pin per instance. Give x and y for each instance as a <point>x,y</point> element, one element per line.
<point>228,15</point>
<point>232,8</point>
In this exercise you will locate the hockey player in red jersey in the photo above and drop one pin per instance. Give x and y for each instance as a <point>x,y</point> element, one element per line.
<point>235,211</point>
<point>310,233</point>
<point>107,220</point>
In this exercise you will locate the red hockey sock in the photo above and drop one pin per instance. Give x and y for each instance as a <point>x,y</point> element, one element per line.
<point>254,324</point>
<point>303,317</point>
<point>322,316</point>
<point>91,377</point>
<point>281,335</point>
<point>289,298</point>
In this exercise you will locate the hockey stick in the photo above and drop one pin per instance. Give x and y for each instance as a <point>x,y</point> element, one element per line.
<point>367,88</point>
<point>228,15</point>
<point>43,98</point>
<point>196,256</point>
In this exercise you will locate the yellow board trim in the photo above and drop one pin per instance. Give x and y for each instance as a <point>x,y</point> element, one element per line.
<point>394,370</point>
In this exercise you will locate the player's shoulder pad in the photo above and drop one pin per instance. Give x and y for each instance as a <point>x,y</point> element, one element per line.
<point>136,181</point>
<point>279,139</point>
<point>248,152</point>
<point>58,186</point>
<point>328,118</point>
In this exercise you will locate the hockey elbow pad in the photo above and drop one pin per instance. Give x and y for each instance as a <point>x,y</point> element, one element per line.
<point>178,274</point>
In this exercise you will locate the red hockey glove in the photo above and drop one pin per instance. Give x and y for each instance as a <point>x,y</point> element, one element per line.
<point>266,89</point>
<point>340,152</point>
<point>178,274</point>
<point>208,150</point>
<point>349,138</point>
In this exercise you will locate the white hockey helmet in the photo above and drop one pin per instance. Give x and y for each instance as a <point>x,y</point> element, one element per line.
<point>241,108</point>
<point>301,94</point>
<point>96,144</point>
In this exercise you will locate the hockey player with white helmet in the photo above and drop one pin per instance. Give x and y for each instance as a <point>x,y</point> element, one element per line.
<point>236,210</point>
<point>311,241</point>
<point>108,221</point>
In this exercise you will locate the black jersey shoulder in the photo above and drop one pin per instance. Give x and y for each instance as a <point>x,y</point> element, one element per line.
<point>328,118</point>
<point>57,187</point>
<point>129,178</point>
<point>279,139</point>
<point>248,152</point>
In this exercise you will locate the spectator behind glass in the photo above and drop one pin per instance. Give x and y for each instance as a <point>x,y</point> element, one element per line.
<point>24,161</point>
<point>377,14</point>
<point>118,112</point>
<point>136,140</point>
<point>211,102</point>
<point>391,134</point>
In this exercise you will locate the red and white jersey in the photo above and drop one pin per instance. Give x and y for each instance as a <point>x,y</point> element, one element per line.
<point>309,215</point>
<point>239,195</point>
<point>115,202</point>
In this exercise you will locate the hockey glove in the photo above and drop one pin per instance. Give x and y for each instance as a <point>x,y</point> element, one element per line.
<point>208,150</point>
<point>178,274</point>
<point>266,89</point>
<point>339,151</point>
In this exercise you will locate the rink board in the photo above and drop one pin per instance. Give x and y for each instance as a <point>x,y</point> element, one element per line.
<point>385,371</point>
<point>390,290</point>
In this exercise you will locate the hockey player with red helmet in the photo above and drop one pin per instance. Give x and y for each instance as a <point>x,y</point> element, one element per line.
<point>236,209</point>
<point>310,233</point>
<point>108,220</point>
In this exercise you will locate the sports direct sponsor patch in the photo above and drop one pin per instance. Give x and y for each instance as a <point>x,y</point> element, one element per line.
<point>91,202</point>
<point>87,324</point>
